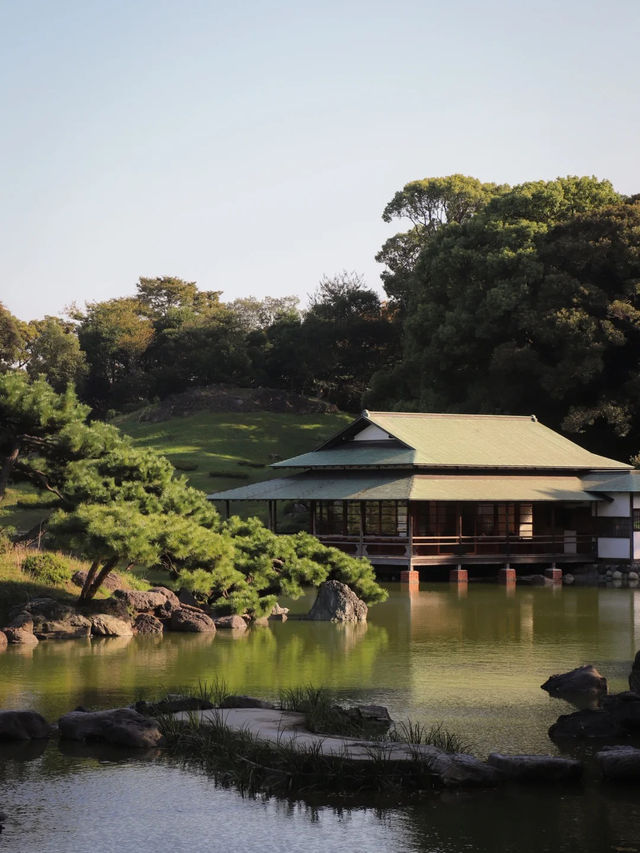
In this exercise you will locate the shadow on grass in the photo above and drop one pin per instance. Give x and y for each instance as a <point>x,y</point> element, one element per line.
<point>14,592</point>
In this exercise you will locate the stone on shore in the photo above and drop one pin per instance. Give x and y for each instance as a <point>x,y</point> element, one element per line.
<point>23,725</point>
<point>147,624</point>
<point>619,763</point>
<point>119,726</point>
<point>141,601</point>
<point>52,620</point>
<point>230,623</point>
<point>586,724</point>
<point>105,625</point>
<point>536,768</point>
<point>20,636</point>
<point>192,620</point>
<point>3,641</point>
<point>233,701</point>
<point>460,770</point>
<point>336,602</point>
<point>110,583</point>
<point>172,602</point>
<point>582,683</point>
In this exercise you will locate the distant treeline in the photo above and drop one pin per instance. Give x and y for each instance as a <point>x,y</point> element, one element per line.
<point>501,299</point>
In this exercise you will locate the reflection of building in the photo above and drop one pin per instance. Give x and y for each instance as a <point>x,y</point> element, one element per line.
<point>411,490</point>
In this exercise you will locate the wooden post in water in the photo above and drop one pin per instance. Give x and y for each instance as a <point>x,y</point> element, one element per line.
<point>459,575</point>
<point>507,575</point>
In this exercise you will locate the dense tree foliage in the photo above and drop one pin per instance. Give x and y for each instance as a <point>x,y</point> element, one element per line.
<point>119,505</point>
<point>529,305</point>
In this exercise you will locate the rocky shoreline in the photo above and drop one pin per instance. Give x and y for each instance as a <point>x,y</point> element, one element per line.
<point>153,612</point>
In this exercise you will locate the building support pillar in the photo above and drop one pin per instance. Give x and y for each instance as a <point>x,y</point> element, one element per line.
<point>410,577</point>
<point>554,574</point>
<point>507,575</point>
<point>459,575</point>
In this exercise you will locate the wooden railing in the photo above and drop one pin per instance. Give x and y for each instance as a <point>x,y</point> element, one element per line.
<point>433,546</point>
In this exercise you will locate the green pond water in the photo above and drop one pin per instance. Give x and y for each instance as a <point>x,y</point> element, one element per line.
<point>474,660</point>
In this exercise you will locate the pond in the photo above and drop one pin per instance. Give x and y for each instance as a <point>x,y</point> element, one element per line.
<point>473,659</point>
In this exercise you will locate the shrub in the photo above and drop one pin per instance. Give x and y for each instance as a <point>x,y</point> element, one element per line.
<point>5,541</point>
<point>47,568</point>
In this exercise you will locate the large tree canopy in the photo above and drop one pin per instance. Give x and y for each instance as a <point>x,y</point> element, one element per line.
<point>530,305</point>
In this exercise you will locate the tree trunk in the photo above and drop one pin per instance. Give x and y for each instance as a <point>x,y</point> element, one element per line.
<point>84,596</point>
<point>95,585</point>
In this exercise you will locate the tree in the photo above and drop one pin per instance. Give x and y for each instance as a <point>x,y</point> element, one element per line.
<point>529,306</point>
<point>120,505</point>
<point>53,351</point>
<point>10,339</point>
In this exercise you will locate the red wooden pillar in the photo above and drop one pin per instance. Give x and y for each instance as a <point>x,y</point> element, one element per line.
<point>554,574</point>
<point>459,575</point>
<point>507,576</point>
<point>410,577</point>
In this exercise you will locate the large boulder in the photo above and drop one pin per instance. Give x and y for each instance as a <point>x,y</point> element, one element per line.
<point>53,620</point>
<point>192,620</point>
<point>460,770</point>
<point>634,676</point>
<point>105,625</point>
<point>582,685</point>
<point>586,724</point>
<point>172,602</point>
<point>111,582</point>
<point>20,636</point>
<point>141,601</point>
<point>119,726</point>
<point>3,641</point>
<point>370,720</point>
<point>230,623</point>
<point>624,709</point>
<point>147,624</point>
<point>23,725</point>
<point>620,763</point>
<point>336,602</point>
<point>537,768</point>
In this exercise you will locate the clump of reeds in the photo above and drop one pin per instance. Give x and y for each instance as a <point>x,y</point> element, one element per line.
<point>435,735</point>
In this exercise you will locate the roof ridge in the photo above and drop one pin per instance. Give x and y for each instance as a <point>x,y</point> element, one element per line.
<point>370,412</point>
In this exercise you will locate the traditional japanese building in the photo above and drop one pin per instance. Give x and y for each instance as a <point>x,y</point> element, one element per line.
<point>415,490</point>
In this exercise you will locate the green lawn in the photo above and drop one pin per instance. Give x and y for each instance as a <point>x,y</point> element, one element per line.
<point>223,451</point>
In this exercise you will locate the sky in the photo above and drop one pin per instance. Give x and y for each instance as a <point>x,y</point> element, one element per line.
<point>252,146</point>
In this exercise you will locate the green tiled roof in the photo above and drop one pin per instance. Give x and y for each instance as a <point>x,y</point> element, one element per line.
<point>461,441</point>
<point>381,485</point>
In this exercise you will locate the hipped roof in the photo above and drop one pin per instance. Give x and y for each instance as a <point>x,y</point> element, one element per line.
<point>453,441</point>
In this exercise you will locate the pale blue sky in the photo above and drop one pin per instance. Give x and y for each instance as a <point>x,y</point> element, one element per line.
<point>252,147</point>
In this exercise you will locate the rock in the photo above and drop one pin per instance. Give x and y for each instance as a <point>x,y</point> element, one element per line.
<point>370,719</point>
<point>104,625</point>
<point>119,726</point>
<point>191,620</point>
<point>536,768</point>
<point>234,701</point>
<point>534,580</point>
<point>634,676</point>
<point>172,601</point>
<point>624,710</point>
<point>633,576</point>
<point>141,601</point>
<point>619,763</point>
<point>111,582</point>
<point>19,636</point>
<point>336,602</point>
<point>276,610</point>
<point>185,596</point>
<point>586,724</point>
<point>583,682</point>
<point>3,641</point>
<point>233,623</point>
<point>617,576</point>
<point>568,579</point>
<point>53,620</point>
<point>147,624</point>
<point>22,620</point>
<point>172,704</point>
<point>461,770</point>
<point>23,725</point>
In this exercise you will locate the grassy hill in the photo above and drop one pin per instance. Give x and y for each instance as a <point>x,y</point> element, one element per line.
<point>224,450</point>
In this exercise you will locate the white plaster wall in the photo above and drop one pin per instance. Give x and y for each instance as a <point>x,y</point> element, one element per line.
<point>636,501</point>
<point>619,506</point>
<point>613,549</point>
<point>371,433</point>
<point>636,546</point>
